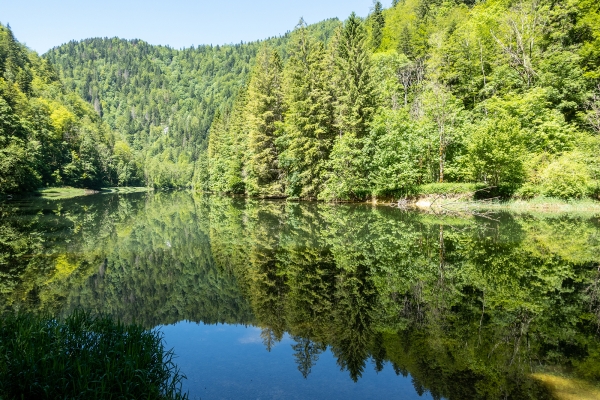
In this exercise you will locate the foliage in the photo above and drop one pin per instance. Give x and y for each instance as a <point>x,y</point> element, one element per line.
<point>264,110</point>
<point>84,357</point>
<point>307,134</point>
<point>566,177</point>
<point>48,135</point>
<point>496,153</point>
<point>163,100</point>
<point>476,107</point>
<point>459,70</point>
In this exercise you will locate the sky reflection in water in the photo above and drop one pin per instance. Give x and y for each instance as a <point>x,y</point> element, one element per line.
<point>231,362</point>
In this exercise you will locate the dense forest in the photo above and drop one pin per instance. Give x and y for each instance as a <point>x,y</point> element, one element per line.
<point>162,100</point>
<point>49,135</point>
<point>501,93</point>
<point>504,93</point>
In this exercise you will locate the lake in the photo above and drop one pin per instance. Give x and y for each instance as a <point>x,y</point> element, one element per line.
<point>279,300</point>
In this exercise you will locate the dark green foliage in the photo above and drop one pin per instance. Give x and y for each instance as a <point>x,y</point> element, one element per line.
<point>164,100</point>
<point>307,135</point>
<point>377,25</point>
<point>264,112</point>
<point>83,357</point>
<point>48,136</point>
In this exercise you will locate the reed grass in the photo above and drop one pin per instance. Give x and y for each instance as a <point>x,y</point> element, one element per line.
<point>84,357</point>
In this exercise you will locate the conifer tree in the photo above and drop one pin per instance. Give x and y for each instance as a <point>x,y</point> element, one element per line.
<point>264,113</point>
<point>217,154</point>
<point>377,24</point>
<point>355,90</point>
<point>355,105</point>
<point>308,134</point>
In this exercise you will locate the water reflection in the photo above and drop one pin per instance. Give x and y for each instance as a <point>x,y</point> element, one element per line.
<point>469,307</point>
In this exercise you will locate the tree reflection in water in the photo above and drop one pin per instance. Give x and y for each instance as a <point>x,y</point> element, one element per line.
<point>468,307</point>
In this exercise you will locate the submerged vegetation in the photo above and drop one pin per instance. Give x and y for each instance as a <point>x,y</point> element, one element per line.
<point>83,357</point>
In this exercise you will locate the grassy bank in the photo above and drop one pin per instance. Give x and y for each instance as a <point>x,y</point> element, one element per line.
<point>467,196</point>
<point>83,357</point>
<point>60,193</point>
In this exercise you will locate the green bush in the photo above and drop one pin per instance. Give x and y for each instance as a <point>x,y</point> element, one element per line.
<point>528,191</point>
<point>566,177</point>
<point>83,357</point>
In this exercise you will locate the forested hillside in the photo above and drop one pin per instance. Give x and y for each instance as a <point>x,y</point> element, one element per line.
<point>503,93</point>
<point>500,93</point>
<point>49,135</point>
<point>161,99</point>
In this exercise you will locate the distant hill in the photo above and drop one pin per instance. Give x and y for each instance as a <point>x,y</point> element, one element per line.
<point>161,99</point>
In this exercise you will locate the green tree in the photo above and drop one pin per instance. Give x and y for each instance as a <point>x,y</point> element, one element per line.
<point>307,135</point>
<point>377,24</point>
<point>497,151</point>
<point>264,113</point>
<point>355,105</point>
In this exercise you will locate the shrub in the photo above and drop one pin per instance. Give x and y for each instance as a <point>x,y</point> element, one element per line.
<point>496,153</point>
<point>566,177</point>
<point>83,357</point>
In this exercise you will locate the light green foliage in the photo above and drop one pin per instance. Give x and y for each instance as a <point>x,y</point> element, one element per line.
<point>566,177</point>
<point>496,152</point>
<point>460,70</point>
<point>396,153</point>
<point>347,170</point>
<point>387,66</point>
<point>48,135</point>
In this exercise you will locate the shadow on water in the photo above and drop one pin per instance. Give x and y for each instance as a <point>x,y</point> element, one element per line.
<point>467,307</point>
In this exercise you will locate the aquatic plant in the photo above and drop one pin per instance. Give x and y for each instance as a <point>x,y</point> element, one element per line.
<point>84,357</point>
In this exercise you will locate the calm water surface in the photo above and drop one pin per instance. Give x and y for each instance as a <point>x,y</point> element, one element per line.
<point>276,300</point>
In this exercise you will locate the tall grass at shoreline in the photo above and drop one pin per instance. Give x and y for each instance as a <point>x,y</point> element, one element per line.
<point>84,357</point>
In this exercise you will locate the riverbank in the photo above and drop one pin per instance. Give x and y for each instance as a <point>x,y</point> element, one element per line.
<point>466,203</point>
<point>465,197</point>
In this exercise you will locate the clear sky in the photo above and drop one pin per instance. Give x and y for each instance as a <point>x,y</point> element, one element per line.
<point>43,24</point>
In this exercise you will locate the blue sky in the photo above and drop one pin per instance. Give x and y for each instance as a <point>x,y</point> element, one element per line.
<point>43,24</point>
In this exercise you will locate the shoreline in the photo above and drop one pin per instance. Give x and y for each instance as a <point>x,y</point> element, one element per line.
<point>449,202</point>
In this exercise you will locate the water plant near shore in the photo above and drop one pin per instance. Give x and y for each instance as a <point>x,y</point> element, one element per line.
<point>84,357</point>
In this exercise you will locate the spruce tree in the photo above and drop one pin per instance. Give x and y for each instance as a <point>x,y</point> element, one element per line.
<point>264,113</point>
<point>308,133</point>
<point>355,90</point>
<point>377,24</point>
<point>354,107</point>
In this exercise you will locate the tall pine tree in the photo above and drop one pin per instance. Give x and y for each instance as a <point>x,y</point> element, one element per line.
<point>308,134</point>
<point>264,113</point>
<point>377,25</point>
<point>355,105</point>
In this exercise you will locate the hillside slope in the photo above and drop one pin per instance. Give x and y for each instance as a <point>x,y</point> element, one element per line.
<point>48,135</point>
<point>161,99</point>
